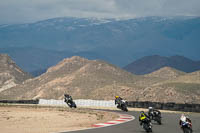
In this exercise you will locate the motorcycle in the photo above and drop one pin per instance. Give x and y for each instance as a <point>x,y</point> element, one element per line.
<point>156,116</point>
<point>123,105</point>
<point>70,102</point>
<point>187,127</point>
<point>147,126</point>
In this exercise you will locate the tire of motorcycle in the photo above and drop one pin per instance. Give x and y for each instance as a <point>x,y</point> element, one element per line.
<point>159,120</point>
<point>124,108</point>
<point>187,130</point>
<point>150,130</point>
<point>147,128</point>
<point>74,105</point>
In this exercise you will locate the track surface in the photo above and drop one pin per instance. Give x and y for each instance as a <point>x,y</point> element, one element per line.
<point>170,125</point>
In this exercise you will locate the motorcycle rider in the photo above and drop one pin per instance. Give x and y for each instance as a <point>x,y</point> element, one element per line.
<point>68,98</point>
<point>184,119</point>
<point>118,101</point>
<point>153,112</point>
<point>144,118</point>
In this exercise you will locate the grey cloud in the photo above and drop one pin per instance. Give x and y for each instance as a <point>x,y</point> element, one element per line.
<point>159,7</point>
<point>18,11</point>
<point>25,10</point>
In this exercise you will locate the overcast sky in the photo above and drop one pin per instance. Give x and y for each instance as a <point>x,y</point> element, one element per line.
<point>21,11</point>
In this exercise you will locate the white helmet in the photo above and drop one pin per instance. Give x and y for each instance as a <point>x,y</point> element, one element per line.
<point>183,118</point>
<point>150,108</point>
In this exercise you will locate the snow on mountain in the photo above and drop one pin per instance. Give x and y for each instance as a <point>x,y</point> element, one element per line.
<point>118,41</point>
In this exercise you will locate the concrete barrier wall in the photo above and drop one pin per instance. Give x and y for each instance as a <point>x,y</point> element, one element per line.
<point>166,106</point>
<point>111,103</point>
<point>79,102</point>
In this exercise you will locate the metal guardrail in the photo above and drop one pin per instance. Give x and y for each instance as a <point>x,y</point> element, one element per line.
<point>20,101</point>
<point>166,106</point>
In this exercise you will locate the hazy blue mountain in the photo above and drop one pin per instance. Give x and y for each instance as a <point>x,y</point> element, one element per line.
<point>150,64</point>
<point>33,59</point>
<point>36,60</point>
<point>116,41</point>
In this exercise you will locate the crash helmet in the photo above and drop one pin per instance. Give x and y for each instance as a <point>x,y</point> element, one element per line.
<point>150,108</point>
<point>141,112</point>
<point>66,95</point>
<point>183,118</point>
<point>116,96</point>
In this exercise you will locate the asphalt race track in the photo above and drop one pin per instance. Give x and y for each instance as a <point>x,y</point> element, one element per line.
<point>169,125</point>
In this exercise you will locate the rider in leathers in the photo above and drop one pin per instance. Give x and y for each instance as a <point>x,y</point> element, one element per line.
<point>118,101</point>
<point>153,112</point>
<point>184,119</point>
<point>68,98</point>
<point>144,118</point>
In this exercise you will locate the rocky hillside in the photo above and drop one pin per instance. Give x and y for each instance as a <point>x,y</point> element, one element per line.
<point>189,78</point>
<point>78,76</point>
<point>166,72</point>
<point>179,87</point>
<point>157,77</point>
<point>96,79</point>
<point>10,73</point>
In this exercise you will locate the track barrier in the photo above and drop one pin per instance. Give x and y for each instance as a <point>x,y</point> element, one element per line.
<point>102,103</point>
<point>79,102</point>
<point>20,101</point>
<point>165,106</point>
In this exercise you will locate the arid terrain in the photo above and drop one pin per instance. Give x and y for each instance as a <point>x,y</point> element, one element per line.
<point>96,79</point>
<point>34,119</point>
<point>10,73</point>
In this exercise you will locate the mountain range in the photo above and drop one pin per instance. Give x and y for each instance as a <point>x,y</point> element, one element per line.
<point>97,79</point>
<point>78,76</point>
<point>150,64</point>
<point>39,45</point>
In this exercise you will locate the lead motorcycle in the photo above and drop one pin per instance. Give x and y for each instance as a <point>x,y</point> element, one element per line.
<point>123,105</point>
<point>68,99</point>
<point>186,127</point>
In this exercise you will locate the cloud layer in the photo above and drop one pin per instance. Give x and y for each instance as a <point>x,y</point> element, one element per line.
<point>20,11</point>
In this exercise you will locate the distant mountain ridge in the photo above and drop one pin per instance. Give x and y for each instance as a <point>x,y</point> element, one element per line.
<point>150,64</point>
<point>116,41</point>
<point>36,60</point>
